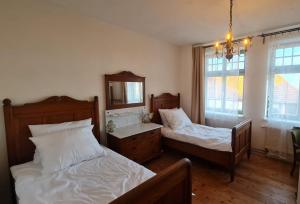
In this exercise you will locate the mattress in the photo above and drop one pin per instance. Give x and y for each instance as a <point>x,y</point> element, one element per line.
<point>100,180</point>
<point>203,136</point>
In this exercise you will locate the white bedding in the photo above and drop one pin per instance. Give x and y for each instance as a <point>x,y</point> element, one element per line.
<point>204,136</point>
<point>100,180</point>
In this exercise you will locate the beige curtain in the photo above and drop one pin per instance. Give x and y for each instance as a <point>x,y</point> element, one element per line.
<point>198,91</point>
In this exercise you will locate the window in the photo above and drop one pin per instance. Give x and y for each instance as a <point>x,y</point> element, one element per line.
<point>284,82</point>
<point>224,83</point>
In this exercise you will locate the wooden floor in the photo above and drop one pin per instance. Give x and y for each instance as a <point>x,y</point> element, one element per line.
<point>258,180</point>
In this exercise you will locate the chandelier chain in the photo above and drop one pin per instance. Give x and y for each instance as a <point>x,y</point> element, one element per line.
<point>230,16</point>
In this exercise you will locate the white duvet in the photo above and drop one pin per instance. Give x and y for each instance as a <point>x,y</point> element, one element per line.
<point>204,136</point>
<point>100,180</point>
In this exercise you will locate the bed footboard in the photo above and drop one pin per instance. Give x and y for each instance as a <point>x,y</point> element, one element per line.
<point>241,143</point>
<point>172,185</point>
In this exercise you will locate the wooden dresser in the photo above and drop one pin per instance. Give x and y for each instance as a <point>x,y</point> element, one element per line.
<point>140,142</point>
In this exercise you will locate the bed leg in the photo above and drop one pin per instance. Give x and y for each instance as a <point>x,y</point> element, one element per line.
<point>232,173</point>
<point>249,153</point>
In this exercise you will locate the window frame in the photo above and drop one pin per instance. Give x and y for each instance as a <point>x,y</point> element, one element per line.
<point>282,69</point>
<point>224,73</point>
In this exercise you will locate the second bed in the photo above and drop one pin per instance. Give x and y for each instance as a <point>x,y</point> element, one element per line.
<point>223,146</point>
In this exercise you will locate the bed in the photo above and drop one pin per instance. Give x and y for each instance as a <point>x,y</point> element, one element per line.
<point>227,150</point>
<point>108,179</point>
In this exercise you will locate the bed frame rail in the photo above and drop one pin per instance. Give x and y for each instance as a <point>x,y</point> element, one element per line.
<point>172,185</point>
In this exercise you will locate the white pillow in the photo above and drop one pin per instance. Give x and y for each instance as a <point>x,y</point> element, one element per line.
<point>163,117</point>
<point>59,150</point>
<point>40,130</point>
<point>177,118</point>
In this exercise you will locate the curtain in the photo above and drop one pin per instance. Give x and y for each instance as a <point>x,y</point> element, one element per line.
<point>198,107</point>
<point>283,94</point>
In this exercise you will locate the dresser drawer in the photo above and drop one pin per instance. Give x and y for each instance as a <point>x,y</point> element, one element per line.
<point>141,147</point>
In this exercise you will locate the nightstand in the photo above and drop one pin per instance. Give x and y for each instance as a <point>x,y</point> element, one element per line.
<point>139,142</point>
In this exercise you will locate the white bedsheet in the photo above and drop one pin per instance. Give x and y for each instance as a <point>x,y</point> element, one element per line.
<point>204,136</point>
<point>100,180</point>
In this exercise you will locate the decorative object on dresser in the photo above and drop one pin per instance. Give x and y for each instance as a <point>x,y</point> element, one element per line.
<point>124,90</point>
<point>172,185</point>
<point>240,137</point>
<point>139,142</point>
<point>147,117</point>
<point>110,126</point>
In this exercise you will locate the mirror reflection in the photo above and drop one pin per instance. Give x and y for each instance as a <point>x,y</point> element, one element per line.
<point>125,92</point>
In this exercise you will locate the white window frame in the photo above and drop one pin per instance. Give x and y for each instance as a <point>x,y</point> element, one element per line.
<point>283,69</point>
<point>224,73</point>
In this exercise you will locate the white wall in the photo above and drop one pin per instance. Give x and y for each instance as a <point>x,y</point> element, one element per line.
<point>254,91</point>
<point>46,51</point>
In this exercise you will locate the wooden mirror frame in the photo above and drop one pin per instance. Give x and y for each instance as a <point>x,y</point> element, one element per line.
<point>124,76</point>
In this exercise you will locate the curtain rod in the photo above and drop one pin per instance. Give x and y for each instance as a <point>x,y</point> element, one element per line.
<point>263,35</point>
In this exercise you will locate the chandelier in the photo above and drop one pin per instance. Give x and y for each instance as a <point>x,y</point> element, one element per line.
<point>231,46</point>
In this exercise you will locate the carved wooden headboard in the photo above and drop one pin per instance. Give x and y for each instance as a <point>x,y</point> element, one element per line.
<point>51,110</point>
<point>163,101</point>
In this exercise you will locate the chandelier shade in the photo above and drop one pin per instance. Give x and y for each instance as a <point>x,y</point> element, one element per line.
<point>230,46</point>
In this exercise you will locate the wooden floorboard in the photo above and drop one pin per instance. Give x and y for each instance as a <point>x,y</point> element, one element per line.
<point>258,180</point>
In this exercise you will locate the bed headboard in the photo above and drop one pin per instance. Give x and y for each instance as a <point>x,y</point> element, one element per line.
<point>163,101</point>
<point>56,109</point>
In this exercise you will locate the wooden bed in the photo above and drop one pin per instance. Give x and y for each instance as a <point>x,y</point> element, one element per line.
<point>240,142</point>
<point>173,185</point>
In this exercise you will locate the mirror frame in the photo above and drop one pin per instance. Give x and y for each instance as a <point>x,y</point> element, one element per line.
<point>124,76</point>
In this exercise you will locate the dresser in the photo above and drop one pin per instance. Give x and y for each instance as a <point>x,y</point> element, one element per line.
<point>139,142</point>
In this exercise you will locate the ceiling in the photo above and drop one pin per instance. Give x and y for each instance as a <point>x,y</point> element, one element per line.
<point>189,21</point>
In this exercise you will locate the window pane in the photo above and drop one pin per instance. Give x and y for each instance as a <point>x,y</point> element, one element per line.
<point>218,104</point>
<point>234,92</point>
<point>288,52</point>
<point>214,92</point>
<point>220,66</point>
<point>215,60</point>
<point>285,95</point>
<point>229,66</point>
<point>296,60</point>
<point>287,61</point>
<point>279,53</point>
<point>278,61</point>
<point>235,58</point>
<point>234,66</point>
<point>241,65</point>
<point>209,68</point>
<point>242,57</point>
<point>296,50</point>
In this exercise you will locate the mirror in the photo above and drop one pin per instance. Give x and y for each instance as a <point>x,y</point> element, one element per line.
<point>124,90</point>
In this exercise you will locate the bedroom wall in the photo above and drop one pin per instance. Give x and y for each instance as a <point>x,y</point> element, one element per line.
<point>45,51</point>
<point>254,91</point>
